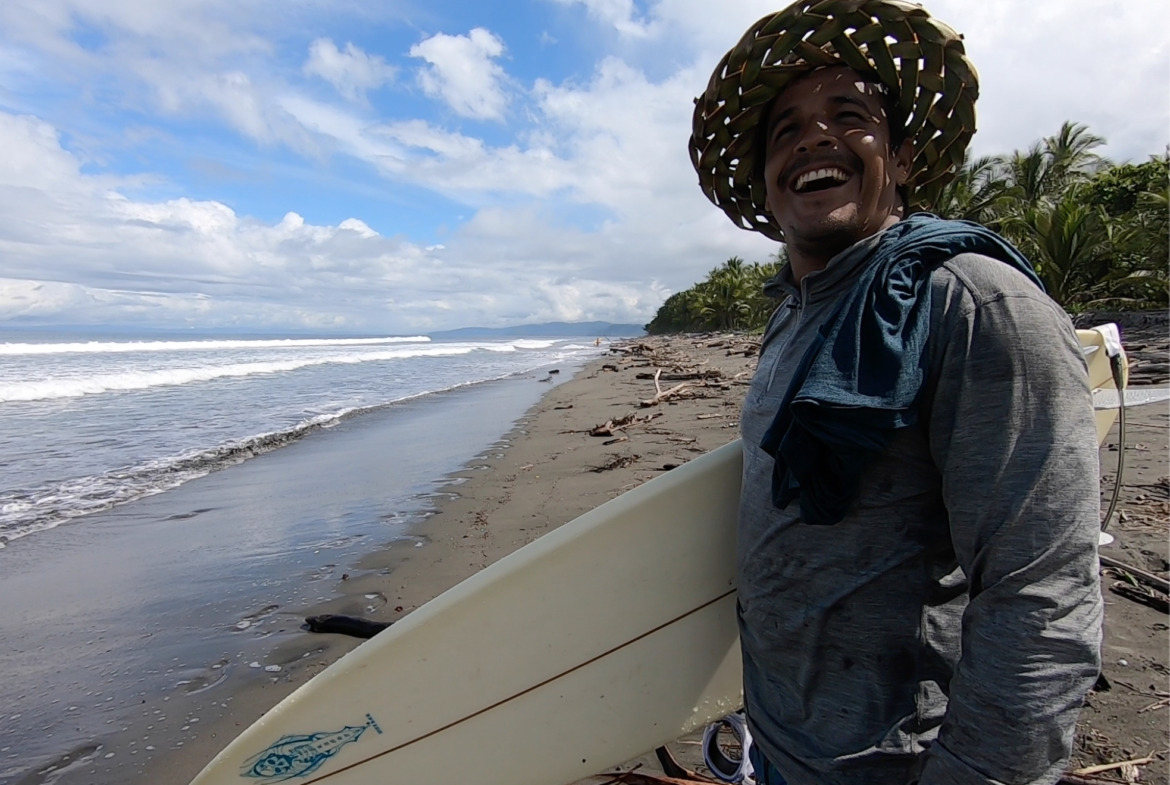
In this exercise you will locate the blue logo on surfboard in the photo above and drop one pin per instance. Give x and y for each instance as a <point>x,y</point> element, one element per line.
<point>298,756</point>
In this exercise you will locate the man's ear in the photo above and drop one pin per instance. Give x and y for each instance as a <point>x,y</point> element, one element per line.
<point>903,159</point>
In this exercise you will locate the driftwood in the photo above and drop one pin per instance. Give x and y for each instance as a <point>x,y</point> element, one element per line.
<point>638,778</point>
<point>345,625</point>
<point>1140,575</point>
<point>666,395</point>
<point>672,768</point>
<point>1158,704</point>
<point>1144,596</point>
<point>660,355</point>
<point>1128,768</point>
<point>711,374</point>
<point>631,420</point>
<point>617,462</point>
<point>662,395</point>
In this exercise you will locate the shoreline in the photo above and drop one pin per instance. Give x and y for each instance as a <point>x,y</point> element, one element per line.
<point>546,470</point>
<point>542,473</point>
<point>136,631</point>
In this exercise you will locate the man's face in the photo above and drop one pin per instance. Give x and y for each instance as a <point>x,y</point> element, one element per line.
<point>830,174</point>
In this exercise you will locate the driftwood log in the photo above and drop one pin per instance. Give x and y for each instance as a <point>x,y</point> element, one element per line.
<point>345,625</point>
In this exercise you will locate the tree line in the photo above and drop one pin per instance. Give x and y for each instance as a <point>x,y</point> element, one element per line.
<point>1096,232</point>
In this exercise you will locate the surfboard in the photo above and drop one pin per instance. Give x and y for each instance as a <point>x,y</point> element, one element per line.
<point>610,636</point>
<point>1099,344</point>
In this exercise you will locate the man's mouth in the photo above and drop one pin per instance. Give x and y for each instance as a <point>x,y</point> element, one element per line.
<point>820,179</point>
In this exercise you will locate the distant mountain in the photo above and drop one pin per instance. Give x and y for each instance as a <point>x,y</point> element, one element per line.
<point>547,330</point>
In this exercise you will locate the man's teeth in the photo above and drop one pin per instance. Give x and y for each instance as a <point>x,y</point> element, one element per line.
<point>820,174</point>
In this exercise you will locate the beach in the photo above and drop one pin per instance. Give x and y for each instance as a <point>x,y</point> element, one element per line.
<point>560,447</point>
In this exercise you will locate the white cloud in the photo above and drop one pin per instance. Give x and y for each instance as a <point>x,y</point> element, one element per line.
<point>461,71</point>
<point>352,72</point>
<point>579,202</point>
<point>31,155</point>
<point>75,249</point>
<point>619,14</point>
<point>1046,61</point>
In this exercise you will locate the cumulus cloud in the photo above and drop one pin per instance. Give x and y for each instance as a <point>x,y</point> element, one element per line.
<point>577,202</point>
<point>73,245</point>
<point>31,155</point>
<point>77,249</point>
<point>352,72</point>
<point>619,14</point>
<point>462,72</point>
<point>1043,62</point>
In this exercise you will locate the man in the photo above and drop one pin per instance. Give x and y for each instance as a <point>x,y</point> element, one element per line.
<point>918,587</point>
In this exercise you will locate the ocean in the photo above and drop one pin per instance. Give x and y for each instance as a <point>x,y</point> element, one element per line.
<point>170,507</point>
<point>89,423</point>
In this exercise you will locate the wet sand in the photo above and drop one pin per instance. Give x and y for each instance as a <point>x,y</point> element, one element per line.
<point>546,471</point>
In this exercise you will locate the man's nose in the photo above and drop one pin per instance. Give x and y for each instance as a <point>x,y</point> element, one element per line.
<point>815,137</point>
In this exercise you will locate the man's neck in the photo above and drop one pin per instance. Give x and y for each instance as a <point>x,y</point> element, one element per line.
<point>813,257</point>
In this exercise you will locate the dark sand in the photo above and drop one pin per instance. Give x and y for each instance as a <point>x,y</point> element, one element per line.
<point>544,473</point>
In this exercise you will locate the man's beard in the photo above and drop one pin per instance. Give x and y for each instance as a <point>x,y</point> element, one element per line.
<point>833,233</point>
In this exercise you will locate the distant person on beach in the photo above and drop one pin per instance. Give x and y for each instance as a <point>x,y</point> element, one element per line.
<point>918,578</point>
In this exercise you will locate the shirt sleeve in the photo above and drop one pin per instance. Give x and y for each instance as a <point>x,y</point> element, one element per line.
<point>1011,429</point>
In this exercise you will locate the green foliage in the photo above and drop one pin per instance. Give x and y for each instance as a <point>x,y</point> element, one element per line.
<point>731,297</point>
<point>1097,233</point>
<point>1119,189</point>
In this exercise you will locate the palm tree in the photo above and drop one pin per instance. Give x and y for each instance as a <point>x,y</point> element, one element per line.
<point>1067,242</point>
<point>1070,154</point>
<point>976,194</point>
<point>1043,210</point>
<point>725,296</point>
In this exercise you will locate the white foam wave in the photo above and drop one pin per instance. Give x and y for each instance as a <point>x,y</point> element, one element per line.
<point>27,512</point>
<point>102,383</point>
<point>121,347</point>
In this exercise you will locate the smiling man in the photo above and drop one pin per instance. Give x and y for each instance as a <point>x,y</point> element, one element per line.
<point>918,588</point>
<point>832,170</point>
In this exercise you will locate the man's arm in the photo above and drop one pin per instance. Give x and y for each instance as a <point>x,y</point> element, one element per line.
<point>1012,432</point>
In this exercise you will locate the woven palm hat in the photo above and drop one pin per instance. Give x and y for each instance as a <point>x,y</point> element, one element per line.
<point>920,60</point>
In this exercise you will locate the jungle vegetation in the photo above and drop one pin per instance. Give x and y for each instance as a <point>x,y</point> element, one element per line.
<point>1096,232</point>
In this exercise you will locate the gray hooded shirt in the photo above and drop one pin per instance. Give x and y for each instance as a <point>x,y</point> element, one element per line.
<point>948,629</point>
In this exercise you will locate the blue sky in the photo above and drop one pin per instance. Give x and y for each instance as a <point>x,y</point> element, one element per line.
<point>395,167</point>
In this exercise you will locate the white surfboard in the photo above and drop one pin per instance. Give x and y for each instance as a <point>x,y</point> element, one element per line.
<point>1099,344</point>
<point>610,636</point>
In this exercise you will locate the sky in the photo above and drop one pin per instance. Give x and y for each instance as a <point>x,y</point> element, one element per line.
<point>402,166</point>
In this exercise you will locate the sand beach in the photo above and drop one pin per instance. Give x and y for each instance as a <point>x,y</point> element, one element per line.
<point>571,443</point>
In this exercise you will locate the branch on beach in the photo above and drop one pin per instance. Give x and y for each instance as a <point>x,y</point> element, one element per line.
<point>1139,575</point>
<point>711,374</point>
<point>663,356</point>
<point>354,626</point>
<point>1145,596</point>
<point>638,778</point>
<point>617,462</point>
<point>1129,770</point>
<point>631,420</point>
<point>666,395</point>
